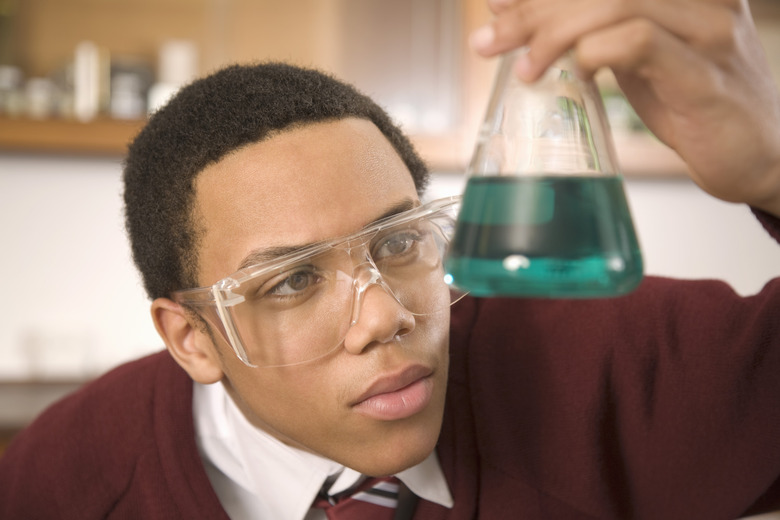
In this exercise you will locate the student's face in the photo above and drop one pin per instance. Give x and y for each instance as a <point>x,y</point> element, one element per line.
<point>303,186</point>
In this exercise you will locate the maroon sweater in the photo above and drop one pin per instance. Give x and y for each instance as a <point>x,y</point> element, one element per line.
<point>663,404</point>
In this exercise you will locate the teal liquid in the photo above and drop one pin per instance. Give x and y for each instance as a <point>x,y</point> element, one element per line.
<point>545,236</point>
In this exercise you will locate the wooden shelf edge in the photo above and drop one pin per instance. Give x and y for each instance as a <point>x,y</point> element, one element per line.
<point>639,155</point>
<point>101,136</point>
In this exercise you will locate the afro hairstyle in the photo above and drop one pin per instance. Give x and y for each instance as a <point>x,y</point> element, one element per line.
<point>208,119</point>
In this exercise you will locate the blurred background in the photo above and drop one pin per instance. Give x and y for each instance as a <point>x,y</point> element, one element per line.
<point>78,77</point>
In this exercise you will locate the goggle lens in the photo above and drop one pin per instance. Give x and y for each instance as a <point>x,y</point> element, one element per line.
<point>300,310</point>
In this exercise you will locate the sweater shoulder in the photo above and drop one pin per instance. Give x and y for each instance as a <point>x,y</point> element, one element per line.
<point>118,402</point>
<point>91,440</point>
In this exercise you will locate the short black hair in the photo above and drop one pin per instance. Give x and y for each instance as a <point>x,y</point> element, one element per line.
<point>207,119</point>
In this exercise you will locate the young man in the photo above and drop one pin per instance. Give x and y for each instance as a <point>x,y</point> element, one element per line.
<point>296,279</point>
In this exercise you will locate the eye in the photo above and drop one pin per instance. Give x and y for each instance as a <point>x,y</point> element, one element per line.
<point>294,283</point>
<point>396,244</point>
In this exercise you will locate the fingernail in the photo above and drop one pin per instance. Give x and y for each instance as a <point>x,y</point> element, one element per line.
<point>482,37</point>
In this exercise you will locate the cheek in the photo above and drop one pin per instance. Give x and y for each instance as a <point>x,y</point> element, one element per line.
<point>433,330</point>
<point>294,407</point>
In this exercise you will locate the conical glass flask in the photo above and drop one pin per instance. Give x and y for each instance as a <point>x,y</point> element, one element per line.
<point>544,213</point>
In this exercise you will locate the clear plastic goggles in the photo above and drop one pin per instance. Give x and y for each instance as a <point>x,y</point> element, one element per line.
<point>298,307</point>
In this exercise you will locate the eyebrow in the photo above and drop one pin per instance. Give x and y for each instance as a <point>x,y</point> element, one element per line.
<point>258,256</point>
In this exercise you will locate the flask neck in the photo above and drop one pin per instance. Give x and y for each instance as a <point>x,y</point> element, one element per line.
<point>556,125</point>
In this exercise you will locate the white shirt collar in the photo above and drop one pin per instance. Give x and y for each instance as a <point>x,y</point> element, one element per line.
<point>257,476</point>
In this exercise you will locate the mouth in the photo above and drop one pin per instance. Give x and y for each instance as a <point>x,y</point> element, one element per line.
<point>398,395</point>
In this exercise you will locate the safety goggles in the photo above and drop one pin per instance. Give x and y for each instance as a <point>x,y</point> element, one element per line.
<point>298,307</point>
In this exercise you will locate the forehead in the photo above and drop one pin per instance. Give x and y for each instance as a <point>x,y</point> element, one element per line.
<point>300,186</point>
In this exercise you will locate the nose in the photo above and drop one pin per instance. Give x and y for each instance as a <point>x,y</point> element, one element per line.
<point>377,316</point>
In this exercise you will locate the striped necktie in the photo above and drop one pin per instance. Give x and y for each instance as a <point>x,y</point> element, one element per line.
<point>374,499</point>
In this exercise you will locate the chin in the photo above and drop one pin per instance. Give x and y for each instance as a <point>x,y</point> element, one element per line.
<point>396,451</point>
<point>393,464</point>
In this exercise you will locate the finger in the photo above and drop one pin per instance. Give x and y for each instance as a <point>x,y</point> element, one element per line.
<point>499,6</point>
<point>642,48</point>
<point>700,24</point>
<point>557,25</point>
<point>512,27</point>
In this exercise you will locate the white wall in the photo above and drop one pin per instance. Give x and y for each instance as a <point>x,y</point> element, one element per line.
<point>69,288</point>
<point>72,302</point>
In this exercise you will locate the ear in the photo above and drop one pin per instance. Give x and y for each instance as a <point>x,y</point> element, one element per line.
<point>189,346</point>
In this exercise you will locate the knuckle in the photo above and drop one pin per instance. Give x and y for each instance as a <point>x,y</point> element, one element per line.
<point>642,36</point>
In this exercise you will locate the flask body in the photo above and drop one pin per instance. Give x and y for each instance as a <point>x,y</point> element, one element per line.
<point>545,236</point>
<point>544,211</point>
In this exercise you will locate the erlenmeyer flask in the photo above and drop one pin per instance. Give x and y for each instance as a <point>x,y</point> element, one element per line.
<point>544,212</point>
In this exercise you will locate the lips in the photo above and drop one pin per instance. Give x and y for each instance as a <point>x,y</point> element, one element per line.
<point>398,395</point>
